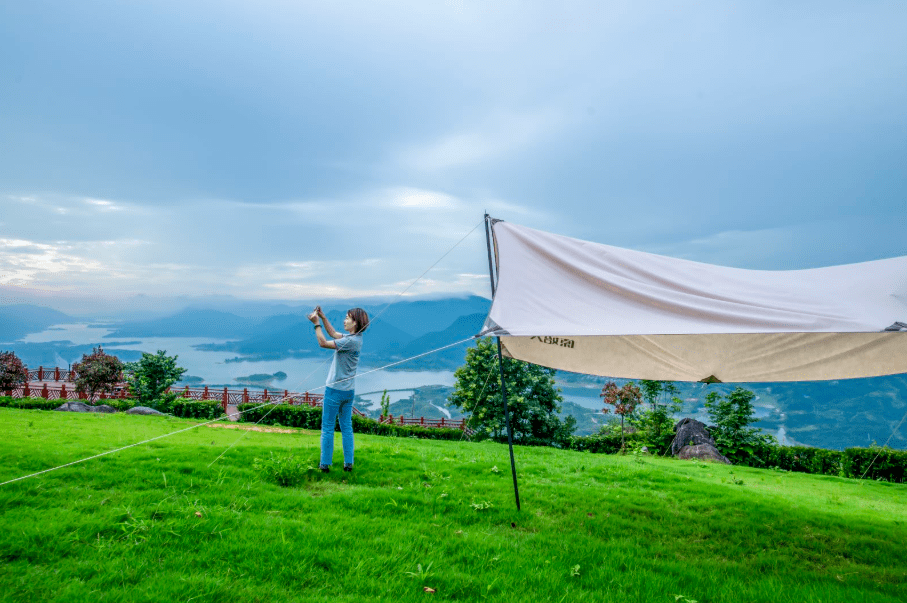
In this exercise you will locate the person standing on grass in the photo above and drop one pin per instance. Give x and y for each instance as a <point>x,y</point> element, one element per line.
<point>341,382</point>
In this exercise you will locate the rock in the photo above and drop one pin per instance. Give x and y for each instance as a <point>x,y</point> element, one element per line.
<point>74,407</point>
<point>103,408</point>
<point>690,432</point>
<point>142,410</point>
<point>702,452</point>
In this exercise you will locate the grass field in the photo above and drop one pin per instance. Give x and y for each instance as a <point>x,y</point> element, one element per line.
<point>157,523</point>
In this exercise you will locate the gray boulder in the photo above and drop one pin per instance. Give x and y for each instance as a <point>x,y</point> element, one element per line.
<point>702,452</point>
<point>142,410</point>
<point>103,408</point>
<point>690,432</point>
<point>74,407</point>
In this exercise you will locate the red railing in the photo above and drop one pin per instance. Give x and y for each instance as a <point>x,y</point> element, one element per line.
<point>60,392</point>
<point>423,422</point>
<point>227,397</point>
<point>48,374</point>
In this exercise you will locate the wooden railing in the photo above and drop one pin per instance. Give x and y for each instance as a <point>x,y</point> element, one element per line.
<point>54,374</point>
<point>227,397</point>
<point>61,392</point>
<point>423,422</point>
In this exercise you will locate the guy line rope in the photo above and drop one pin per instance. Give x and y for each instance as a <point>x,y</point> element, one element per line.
<point>273,404</point>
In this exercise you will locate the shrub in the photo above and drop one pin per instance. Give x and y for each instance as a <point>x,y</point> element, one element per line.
<point>121,404</point>
<point>30,403</point>
<point>97,373</point>
<point>188,409</point>
<point>150,376</point>
<point>309,417</point>
<point>890,465</point>
<point>804,459</point>
<point>605,443</point>
<point>12,371</point>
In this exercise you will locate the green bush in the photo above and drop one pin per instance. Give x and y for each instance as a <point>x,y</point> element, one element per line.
<point>309,417</point>
<point>803,459</point>
<point>605,443</point>
<point>189,409</point>
<point>30,403</point>
<point>121,404</point>
<point>891,465</point>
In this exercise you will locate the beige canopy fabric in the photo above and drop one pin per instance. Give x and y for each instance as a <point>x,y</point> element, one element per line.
<point>602,310</point>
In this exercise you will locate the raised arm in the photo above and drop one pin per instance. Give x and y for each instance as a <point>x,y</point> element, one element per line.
<point>319,332</point>
<point>327,325</point>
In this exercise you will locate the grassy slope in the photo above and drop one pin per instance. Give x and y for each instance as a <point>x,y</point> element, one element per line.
<point>592,528</point>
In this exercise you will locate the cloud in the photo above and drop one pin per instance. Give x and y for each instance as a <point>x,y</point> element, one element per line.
<point>494,138</point>
<point>103,204</point>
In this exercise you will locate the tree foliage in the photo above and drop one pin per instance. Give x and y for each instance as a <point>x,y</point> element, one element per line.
<point>12,371</point>
<point>657,421</point>
<point>731,416</point>
<point>150,376</point>
<point>624,400</point>
<point>98,372</point>
<point>533,400</point>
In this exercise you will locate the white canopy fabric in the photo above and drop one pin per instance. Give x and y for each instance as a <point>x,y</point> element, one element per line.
<point>596,309</point>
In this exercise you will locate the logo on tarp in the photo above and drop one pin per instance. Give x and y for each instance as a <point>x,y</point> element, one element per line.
<point>561,341</point>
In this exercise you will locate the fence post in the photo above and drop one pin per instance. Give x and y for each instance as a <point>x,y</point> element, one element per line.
<point>56,373</point>
<point>40,373</point>
<point>442,421</point>
<point>26,391</point>
<point>226,399</point>
<point>63,394</point>
<point>245,395</point>
<point>44,393</point>
<point>205,395</point>
<point>264,397</point>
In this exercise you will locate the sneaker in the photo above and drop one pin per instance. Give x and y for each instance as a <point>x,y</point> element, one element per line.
<point>325,468</point>
<point>347,467</point>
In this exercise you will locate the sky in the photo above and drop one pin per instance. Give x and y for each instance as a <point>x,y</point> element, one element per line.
<point>290,150</point>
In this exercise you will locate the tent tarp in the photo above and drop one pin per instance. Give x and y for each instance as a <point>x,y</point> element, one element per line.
<point>602,310</point>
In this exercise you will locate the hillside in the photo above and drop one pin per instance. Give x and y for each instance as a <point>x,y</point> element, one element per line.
<point>18,320</point>
<point>198,516</point>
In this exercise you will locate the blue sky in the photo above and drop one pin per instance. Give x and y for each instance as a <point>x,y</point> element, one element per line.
<point>283,150</point>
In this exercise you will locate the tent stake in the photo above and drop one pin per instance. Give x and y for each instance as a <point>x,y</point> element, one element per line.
<point>516,489</point>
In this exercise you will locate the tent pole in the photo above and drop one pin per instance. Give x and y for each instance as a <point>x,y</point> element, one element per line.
<point>516,490</point>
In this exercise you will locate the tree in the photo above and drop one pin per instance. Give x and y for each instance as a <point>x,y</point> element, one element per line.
<point>385,404</point>
<point>150,377</point>
<point>97,373</point>
<point>532,399</point>
<point>624,400</point>
<point>12,372</point>
<point>731,416</point>
<point>657,422</point>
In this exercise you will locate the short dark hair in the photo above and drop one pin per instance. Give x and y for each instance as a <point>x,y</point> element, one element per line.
<point>361,318</point>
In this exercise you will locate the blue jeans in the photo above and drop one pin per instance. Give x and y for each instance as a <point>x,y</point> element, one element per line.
<point>337,402</point>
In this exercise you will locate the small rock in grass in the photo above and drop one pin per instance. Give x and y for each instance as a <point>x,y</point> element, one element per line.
<point>103,408</point>
<point>74,407</point>
<point>143,410</point>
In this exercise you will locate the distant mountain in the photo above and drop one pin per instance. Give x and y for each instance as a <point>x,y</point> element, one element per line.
<point>449,359</point>
<point>288,335</point>
<point>18,320</point>
<point>422,317</point>
<point>189,323</point>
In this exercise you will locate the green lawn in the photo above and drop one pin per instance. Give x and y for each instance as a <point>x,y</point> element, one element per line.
<point>156,523</point>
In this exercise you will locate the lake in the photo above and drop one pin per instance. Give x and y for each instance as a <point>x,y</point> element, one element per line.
<point>303,374</point>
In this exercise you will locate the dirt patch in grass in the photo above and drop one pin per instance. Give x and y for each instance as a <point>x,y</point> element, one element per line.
<point>259,428</point>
